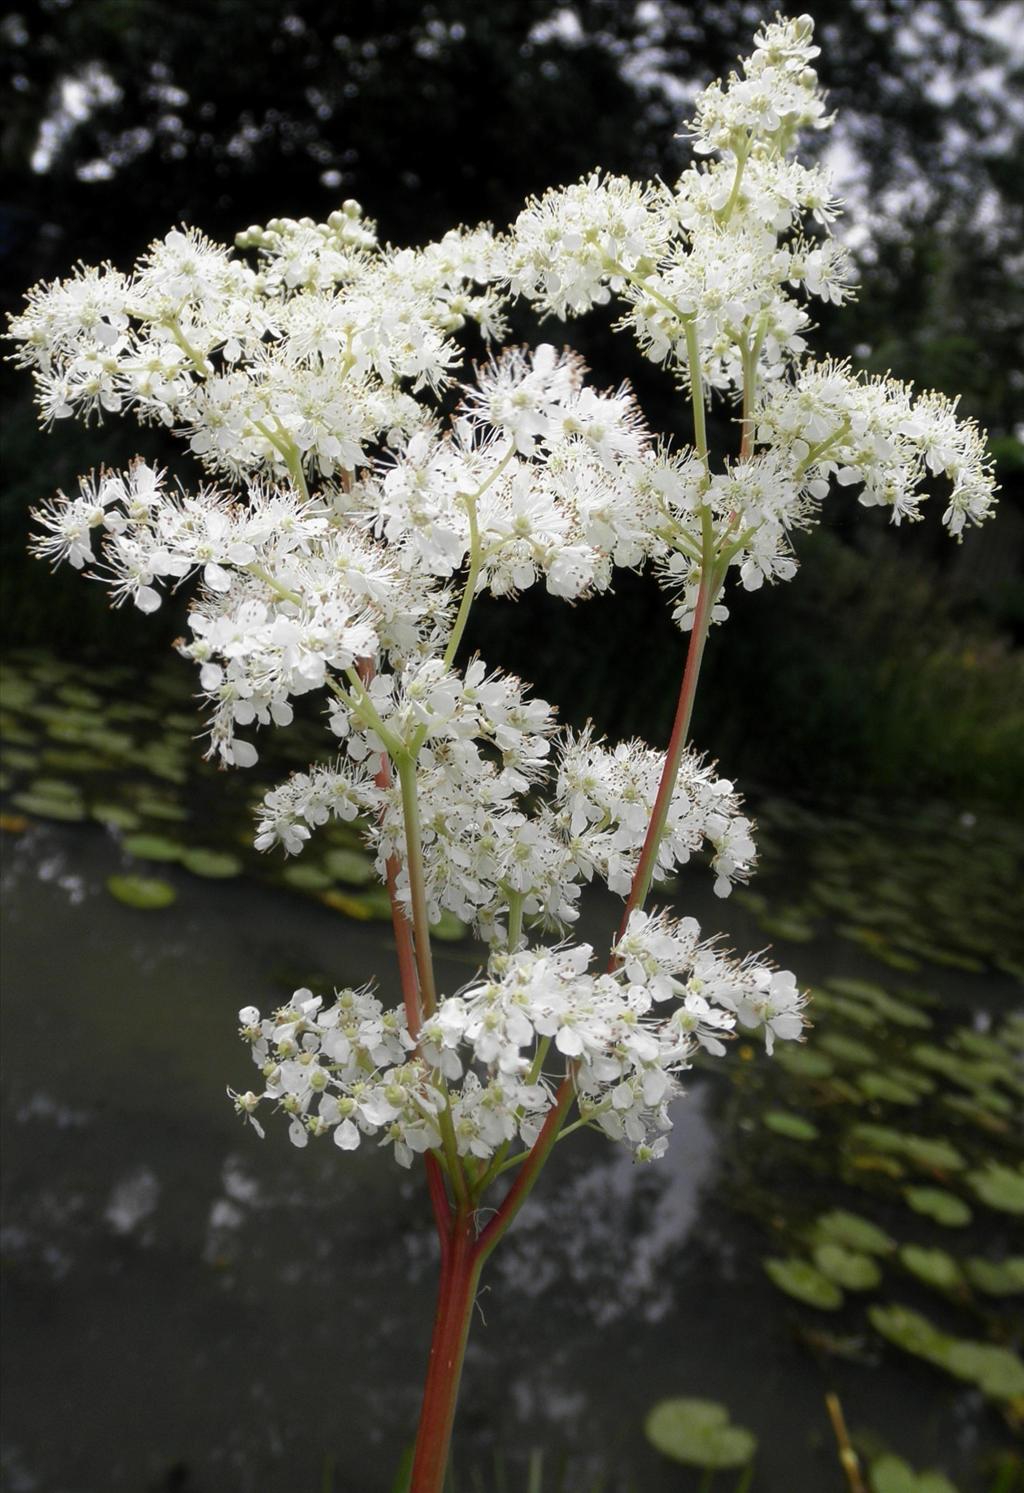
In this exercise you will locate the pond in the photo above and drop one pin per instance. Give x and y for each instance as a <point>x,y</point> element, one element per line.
<point>187,1307</point>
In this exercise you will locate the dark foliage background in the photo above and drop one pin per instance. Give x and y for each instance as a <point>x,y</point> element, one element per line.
<point>893,661</point>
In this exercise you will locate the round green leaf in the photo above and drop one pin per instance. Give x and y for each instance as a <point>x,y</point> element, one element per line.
<point>305,878</point>
<point>141,891</point>
<point>216,864</point>
<point>801,1280</point>
<point>935,1202</point>
<point>933,1266</point>
<point>42,806</point>
<point>350,866</point>
<point>116,815</point>
<point>999,1186</point>
<point>889,1090</point>
<point>852,1232</point>
<point>803,1061</point>
<point>892,1475</point>
<point>848,1268</point>
<point>794,1127</point>
<point>152,847</point>
<point>997,1278</point>
<point>698,1434</point>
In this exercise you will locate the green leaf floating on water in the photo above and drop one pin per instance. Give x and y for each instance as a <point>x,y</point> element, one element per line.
<point>933,1266</point>
<point>846,1009</point>
<point>888,1007</point>
<point>935,1155</point>
<point>882,1086</point>
<point>935,1202</point>
<point>43,806</point>
<point>353,867</point>
<point>848,1049</point>
<point>803,1281</point>
<point>996,1371</point>
<point>215,864</point>
<point>794,1127</point>
<point>999,1186</point>
<point>116,815</point>
<point>160,808</point>
<point>306,878</point>
<point>152,847</point>
<point>892,1475</point>
<point>847,1267</point>
<point>997,1278</point>
<point>803,1061</point>
<point>54,788</point>
<point>698,1434</point>
<point>141,891</point>
<point>853,1232</point>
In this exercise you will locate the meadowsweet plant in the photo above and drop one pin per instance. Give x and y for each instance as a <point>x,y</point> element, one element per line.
<point>341,535</point>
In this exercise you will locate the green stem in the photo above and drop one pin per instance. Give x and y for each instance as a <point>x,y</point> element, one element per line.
<point>475,557</point>
<point>700,434</point>
<point>816,451</point>
<point>406,766</point>
<point>363,708</point>
<point>723,216</point>
<point>515,921</point>
<point>275,586</point>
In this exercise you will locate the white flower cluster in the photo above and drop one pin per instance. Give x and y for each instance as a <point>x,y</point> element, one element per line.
<point>604,803</point>
<point>306,362</point>
<point>539,476</point>
<point>353,522</point>
<point>714,277</point>
<point>485,751</point>
<point>352,1070</point>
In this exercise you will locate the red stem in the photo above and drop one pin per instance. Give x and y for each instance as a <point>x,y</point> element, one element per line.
<point>410,991</point>
<point>677,745</point>
<point>461,1262</point>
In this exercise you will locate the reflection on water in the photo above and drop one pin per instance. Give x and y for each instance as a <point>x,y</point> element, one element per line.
<point>189,1308</point>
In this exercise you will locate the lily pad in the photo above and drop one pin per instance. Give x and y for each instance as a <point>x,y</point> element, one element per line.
<point>79,696</point>
<point>852,1232</point>
<point>152,848</point>
<point>892,1475</point>
<point>934,1155</point>
<point>19,759</point>
<point>161,808</point>
<point>933,1266</point>
<point>802,1280</point>
<point>847,1049</point>
<point>698,1434</point>
<point>216,864</point>
<point>43,806</point>
<point>305,878</point>
<point>794,1127</point>
<point>997,1277</point>
<point>999,1186</point>
<point>935,1202</point>
<point>116,815</point>
<point>997,1372</point>
<point>847,1267</point>
<point>803,1061</point>
<point>910,1331</point>
<point>889,1090</point>
<point>350,866</point>
<point>789,927</point>
<point>142,892</point>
